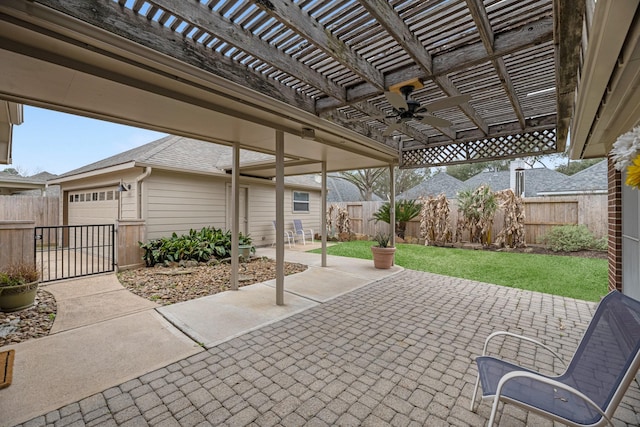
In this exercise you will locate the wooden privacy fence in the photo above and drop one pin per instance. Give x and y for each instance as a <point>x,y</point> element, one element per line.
<point>541,214</point>
<point>44,211</point>
<point>130,232</point>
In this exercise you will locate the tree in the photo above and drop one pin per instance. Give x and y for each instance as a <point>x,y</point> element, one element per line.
<point>576,166</point>
<point>405,180</point>
<point>364,179</point>
<point>467,170</point>
<point>12,171</point>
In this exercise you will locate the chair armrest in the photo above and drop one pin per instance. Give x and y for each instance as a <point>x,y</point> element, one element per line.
<point>556,384</point>
<point>523,338</point>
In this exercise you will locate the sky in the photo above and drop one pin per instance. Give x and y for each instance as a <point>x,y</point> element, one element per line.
<point>57,142</point>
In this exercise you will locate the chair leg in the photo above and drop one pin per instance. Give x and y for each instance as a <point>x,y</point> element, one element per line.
<point>475,392</point>
<point>494,410</point>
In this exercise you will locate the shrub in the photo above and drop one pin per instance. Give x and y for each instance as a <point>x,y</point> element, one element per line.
<point>19,274</point>
<point>201,246</point>
<point>405,211</point>
<point>571,238</point>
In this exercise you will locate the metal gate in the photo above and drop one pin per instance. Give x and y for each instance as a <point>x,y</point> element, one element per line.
<point>66,251</point>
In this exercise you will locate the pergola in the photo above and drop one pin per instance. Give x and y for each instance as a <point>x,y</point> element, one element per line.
<point>305,80</point>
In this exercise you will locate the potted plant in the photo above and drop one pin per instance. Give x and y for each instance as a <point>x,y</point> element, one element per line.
<point>382,253</point>
<point>405,210</point>
<point>18,286</point>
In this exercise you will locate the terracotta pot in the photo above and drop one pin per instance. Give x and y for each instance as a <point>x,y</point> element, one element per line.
<point>382,257</point>
<point>19,297</point>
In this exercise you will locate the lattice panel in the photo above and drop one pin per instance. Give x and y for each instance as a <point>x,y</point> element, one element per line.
<point>520,145</point>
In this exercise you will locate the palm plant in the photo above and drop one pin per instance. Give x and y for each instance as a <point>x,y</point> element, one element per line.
<point>406,210</point>
<point>478,208</point>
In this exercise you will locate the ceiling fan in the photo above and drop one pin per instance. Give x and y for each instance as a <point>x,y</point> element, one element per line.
<point>405,109</point>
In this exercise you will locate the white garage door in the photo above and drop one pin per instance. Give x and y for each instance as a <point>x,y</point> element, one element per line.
<point>94,206</point>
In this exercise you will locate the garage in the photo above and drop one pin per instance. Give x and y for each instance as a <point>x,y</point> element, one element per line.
<point>93,206</point>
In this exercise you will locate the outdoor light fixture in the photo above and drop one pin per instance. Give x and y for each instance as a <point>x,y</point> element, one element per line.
<point>124,187</point>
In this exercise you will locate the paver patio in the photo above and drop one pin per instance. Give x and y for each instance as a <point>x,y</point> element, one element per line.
<point>395,352</point>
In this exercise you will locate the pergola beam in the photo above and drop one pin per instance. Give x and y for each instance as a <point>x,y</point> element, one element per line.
<point>505,43</point>
<point>291,15</point>
<point>480,17</point>
<point>386,15</point>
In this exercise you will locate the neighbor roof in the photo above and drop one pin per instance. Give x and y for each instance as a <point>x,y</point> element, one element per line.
<point>535,180</point>
<point>590,180</point>
<point>11,184</point>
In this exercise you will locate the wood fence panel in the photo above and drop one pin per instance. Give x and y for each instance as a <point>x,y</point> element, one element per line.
<point>16,243</point>
<point>541,214</point>
<point>544,213</point>
<point>129,254</point>
<point>44,211</point>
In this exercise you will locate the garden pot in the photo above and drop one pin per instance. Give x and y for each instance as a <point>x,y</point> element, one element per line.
<point>244,251</point>
<point>382,257</point>
<point>18,297</point>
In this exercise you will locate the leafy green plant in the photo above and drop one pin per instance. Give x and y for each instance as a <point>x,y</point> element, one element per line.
<point>383,240</point>
<point>571,238</point>
<point>19,274</point>
<point>477,208</point>
<point>200,246</point>
<point>406,210</point>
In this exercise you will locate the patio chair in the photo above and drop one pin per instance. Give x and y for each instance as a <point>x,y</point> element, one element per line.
<point>288,235</point>
<point>301,232</point>
<point>594,382</point>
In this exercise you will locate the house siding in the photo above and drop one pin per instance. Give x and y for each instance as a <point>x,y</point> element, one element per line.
<point>262,208</point>
<point>177,202</point>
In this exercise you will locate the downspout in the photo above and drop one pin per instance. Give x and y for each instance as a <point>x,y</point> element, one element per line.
<point>139,179</point>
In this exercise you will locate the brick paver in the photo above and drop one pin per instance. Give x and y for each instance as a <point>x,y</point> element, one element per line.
<point>396,352</point>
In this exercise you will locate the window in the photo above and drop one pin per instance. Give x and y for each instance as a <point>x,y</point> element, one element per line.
<point>300,201</point>
<point>82,197</point>
<point>101,195</point>
<point>110,195</point>
<point>94,197</point>
<point>70,198</point>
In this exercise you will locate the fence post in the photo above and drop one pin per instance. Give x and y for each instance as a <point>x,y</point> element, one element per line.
<point>16,242</point>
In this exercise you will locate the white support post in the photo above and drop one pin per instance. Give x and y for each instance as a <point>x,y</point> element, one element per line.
<point>235,218</point>
<point>279,217</point>
<point>392,204</point>
<point>323,214</point>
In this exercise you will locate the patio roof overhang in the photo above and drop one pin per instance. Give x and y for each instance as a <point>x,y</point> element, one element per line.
<point>607,99</point>
<point>232,71</point>
<point>10,115</point>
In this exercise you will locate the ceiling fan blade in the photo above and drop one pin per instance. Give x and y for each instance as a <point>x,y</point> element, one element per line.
<point>396,100</point>
<point>365,119</point>
<point>389,130</point>
<point>449,102</point>
<point>435,121</point>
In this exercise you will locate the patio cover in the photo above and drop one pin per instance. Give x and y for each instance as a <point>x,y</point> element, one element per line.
<point>233,70</point>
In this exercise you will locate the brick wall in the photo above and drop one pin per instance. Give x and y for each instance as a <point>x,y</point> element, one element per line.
<point>615,228</point>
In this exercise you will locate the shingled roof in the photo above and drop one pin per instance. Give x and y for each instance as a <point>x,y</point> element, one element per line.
<point>593,179</point>
<point>536,180</point>
<point>176,152</point>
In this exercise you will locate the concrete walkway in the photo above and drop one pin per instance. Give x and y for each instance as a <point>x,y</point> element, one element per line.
<point>103,335</point>
<point>395,351</point>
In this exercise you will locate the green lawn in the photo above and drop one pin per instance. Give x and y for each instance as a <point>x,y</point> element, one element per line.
<point>575,277</point>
